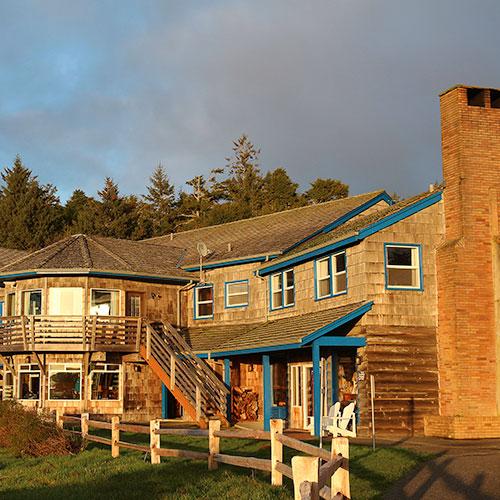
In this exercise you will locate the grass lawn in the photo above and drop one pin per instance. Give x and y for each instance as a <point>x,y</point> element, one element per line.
<point>94,474</point>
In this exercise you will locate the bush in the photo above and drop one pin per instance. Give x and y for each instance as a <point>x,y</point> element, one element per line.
<point>26,432</point>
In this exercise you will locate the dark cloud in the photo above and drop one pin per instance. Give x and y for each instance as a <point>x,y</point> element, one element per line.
<point>340,88</point>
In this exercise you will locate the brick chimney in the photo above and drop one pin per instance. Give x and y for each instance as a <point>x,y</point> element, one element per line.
<point>468,266</point>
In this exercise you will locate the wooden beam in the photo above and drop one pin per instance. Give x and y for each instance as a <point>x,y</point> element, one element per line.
<point>10,367</point>
<point>40,363</point>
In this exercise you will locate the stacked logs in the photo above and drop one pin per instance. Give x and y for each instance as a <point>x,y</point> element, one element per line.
<point>245,404</point>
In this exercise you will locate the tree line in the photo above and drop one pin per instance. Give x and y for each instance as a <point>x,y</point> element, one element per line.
<point>32,215</point>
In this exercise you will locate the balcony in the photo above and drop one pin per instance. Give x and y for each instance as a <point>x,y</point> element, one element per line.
<point>20,334</point>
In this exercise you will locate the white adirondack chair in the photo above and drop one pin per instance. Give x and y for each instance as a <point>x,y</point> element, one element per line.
<point>341,423</point>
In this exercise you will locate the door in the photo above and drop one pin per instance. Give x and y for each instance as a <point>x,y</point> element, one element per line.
<point>133,304</point>
<point>301,397</point>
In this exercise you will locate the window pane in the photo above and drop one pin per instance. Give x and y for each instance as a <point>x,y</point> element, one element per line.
<point>233,300</point>
<point>289,278</point>
<point>280,387</point>
<point>29,385</point>
<point>277,299</point>
<point>104,303</point>
<point>402,277</point>
<point>277,282</point>
<point>32,303</point>
<point>64,385</point>
<point>237,288</point>
<point>340,263</point>
<point>399,256</point>
<point>205,293</point>
<point>289,297</point>
<point>340,283</point>
<point>105,385</point>
<point>324,287</point>
<point>205,309</point>
<point>323,268</point>
<point>66,301</point>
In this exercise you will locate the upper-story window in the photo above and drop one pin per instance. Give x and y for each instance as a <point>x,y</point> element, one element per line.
<point>331,275</point>
<point>66,301</point>
<point>204,302</point>
<point>32,302</point>
<point>403,266</point>
<point>236,293</point>
<point>282,289</point>
<point>104,302</point>
<point>10,309</point>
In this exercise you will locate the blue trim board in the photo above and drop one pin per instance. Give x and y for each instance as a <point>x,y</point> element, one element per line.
<point>227,381</point>
<point>363,233</point>
<point>236,262</point>
<point>195,304</point>
<point>267,389</point>
<point>344,218</point>
<point>239,306</point>
<point>164,401</point>
<point>316,387</point>
<point>420,288</point>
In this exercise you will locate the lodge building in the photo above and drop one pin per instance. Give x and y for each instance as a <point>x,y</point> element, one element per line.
<point>281,315</point>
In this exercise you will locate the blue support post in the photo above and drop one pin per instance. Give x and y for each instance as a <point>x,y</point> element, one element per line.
<point>227,381</point>
<point>316,387</point>
<point>164,401</point>
<point>266,382</point>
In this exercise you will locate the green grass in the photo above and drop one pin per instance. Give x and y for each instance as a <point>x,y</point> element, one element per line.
<point>94,474</point>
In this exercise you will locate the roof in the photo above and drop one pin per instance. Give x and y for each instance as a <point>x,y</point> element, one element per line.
<point>355,228</point>
<point>291,330</point>
<point>8,255</point>
<point>266,235</point>
<point>93,254</point>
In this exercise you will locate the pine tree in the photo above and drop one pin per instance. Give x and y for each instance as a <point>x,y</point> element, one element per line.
<point>81,214</point>
<point>280,192</point>
<point>160,202</point>
<point>30,212</point>
<point>322,190</point>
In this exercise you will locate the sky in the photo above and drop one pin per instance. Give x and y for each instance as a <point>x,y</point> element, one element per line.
<point>325,88</point>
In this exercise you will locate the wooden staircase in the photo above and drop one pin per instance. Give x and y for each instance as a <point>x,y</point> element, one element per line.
<point>188,378</point>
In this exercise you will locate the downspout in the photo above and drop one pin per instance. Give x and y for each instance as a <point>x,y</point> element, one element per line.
<point>179,291</point>
<point>263,278</point>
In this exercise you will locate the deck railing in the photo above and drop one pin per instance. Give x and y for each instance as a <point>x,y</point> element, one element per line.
<point>78,333</point>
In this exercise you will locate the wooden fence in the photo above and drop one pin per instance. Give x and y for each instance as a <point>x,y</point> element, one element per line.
<point>321,474</point>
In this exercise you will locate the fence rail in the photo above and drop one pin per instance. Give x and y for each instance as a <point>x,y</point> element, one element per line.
<point>79,333</point>
<point>312,479</point>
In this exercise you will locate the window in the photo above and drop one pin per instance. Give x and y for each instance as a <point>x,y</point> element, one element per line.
<point>11,304</point>
<point>65,381</point>
<point>105,382</point>
<point>331,275</point>
<point>282,290</point>
<point>29,382</point>
<point>204,302</point>
<point>32,302</point>
<point>133,304</point>
<point>237,293</point>
<point>403,266</point>
<point>65,301</point>
<point>104,302</point>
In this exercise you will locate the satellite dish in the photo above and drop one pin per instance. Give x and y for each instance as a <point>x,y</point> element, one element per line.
<point>202,249</point>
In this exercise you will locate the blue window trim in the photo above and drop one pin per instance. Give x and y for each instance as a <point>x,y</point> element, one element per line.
<point>239,306</point>
<point>420,288</point>
<point>331,294</point>
<point>195,302</point>
<point>282,306</point>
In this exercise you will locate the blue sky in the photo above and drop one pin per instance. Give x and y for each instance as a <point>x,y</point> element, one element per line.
<point>326,88</point>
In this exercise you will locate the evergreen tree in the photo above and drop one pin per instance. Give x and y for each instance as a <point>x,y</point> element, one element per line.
<point>160,203</point>
<point>322,190</point>
<point>30,212</point>
<point>280,192</point>
<point>81,214</point>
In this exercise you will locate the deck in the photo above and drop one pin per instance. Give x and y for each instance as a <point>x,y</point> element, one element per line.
<point>20,334</point>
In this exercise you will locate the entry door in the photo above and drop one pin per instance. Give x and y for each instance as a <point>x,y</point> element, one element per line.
<point>301,388</point>
<point>134,304</point>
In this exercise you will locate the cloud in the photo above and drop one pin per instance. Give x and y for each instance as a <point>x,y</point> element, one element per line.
<point>330,88</point>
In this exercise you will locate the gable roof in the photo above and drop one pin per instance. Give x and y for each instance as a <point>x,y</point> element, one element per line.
<point>266,235</point>
<point>294,330</point>
<point>8,255</point>
<point>352,231</point>
<point>95,254</point>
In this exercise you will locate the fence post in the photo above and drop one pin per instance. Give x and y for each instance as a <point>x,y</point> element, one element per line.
<point>305,471</point>
<point>115,436</point>
<point>154,440</point>
<point>85,424</point>
<point>59,417</point>
<point>213,443</point>
<point>276,451</point>
<point>340,478</point>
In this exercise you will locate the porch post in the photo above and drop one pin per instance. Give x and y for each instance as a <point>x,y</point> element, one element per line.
<point>164,401</point>
<point>266,382</point>
<point>335,378</point>
<point>227,381</point>
<point>316,388</point>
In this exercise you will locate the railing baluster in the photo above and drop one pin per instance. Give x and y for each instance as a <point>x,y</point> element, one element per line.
<point>32,332</point>
<point>94,328</point>
<point>138,334</point>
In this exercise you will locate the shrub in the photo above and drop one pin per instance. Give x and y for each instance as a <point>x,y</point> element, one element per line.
<point>26,432</point>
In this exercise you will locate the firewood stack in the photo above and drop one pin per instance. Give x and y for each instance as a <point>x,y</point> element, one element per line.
<point>245,404</point>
